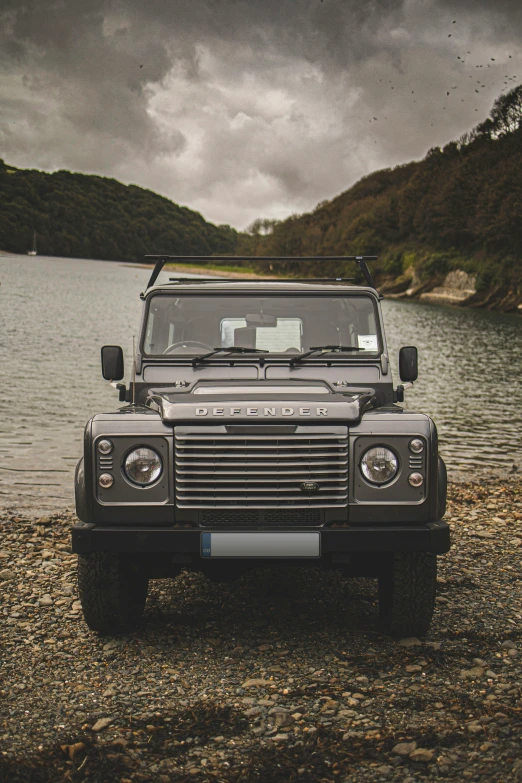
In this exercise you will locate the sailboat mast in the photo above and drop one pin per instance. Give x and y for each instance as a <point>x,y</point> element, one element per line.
<point>33,251</point>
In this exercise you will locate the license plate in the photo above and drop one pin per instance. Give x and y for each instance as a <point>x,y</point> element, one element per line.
<point>260,544</point>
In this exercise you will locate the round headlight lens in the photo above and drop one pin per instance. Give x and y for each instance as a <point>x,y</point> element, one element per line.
<point>379,465</point>
<point>105,446</point>
<point>143,466</point>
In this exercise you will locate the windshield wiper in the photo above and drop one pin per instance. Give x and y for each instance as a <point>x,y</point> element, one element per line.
<point>198,359</point>
<point>324,349</point>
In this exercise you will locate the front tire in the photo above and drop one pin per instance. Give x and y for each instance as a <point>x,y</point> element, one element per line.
<point>407,588</point>
<point>113,591</point>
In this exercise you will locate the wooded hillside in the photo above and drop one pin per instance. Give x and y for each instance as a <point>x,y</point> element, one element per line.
<point>459,208</point>
<point>85,216</point>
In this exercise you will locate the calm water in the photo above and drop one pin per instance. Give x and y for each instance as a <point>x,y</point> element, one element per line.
<point>55,314</point>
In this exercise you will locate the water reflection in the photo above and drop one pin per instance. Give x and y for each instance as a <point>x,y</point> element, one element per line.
<point>470,363</point>
<point>56,313</point>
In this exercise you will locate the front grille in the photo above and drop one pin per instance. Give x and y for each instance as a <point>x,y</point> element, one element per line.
<point>217,469</point>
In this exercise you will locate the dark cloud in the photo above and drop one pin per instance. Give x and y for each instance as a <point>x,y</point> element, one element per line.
<point>245,108</point>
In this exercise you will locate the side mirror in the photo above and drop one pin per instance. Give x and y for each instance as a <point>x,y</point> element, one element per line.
<point>112,362</point>
<point>408,364</point>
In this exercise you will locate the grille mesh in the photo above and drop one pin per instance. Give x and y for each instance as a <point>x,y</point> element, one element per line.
<point>215,469</point>
<point>285,517</point>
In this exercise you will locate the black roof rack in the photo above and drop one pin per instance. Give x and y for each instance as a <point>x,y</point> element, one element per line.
<point>261,279</point>
<point>161,260</point>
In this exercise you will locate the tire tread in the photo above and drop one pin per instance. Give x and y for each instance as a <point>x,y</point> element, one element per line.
<point>407,592</point>
<point>112,595</point>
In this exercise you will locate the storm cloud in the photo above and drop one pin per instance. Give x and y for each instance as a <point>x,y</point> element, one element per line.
<point>247,108</point>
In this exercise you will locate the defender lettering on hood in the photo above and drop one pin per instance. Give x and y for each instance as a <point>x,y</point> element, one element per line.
<point>348,409</point>
<point>272,411</point>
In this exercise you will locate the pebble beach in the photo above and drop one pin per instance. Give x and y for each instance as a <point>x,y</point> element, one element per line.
<point>280,676</point>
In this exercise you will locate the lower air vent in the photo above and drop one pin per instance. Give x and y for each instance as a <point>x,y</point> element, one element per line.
<point>261,518</point>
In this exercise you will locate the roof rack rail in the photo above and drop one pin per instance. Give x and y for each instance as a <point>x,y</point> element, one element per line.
<point>161,260</point>
<point>261,279</point>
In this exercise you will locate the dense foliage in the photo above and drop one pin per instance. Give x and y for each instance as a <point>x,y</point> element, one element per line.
<point>460,207</point>
<point>82,216</point>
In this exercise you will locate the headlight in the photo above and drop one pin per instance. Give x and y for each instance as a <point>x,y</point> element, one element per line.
<point>143,466</point>
<point>379,465</point>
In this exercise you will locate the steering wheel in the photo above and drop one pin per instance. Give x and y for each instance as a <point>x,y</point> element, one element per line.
<point>187,344</point>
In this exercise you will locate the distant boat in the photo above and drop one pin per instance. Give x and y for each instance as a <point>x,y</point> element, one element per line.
<point>33,251</point>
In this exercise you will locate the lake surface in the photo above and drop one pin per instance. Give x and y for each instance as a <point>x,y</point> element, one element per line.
<point>56,313</point>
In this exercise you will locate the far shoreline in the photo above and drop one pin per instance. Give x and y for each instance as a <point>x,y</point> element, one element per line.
<point>228,272</point>
<point>211,271</point>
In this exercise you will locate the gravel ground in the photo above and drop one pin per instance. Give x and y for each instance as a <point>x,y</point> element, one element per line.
<point>280,676</point>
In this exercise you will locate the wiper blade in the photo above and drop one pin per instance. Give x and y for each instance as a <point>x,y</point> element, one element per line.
<point>324,349</point>
<point>198,359</point>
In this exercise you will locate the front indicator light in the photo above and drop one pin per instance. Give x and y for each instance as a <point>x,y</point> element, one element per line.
<point>106,480</point>
<point>415,479</point>
<point>105,447</point>
<point>143,466</point>
<point>379,465</point>
<point>416,445</point>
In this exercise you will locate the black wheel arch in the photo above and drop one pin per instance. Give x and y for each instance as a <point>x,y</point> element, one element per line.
<point>79,491</point>
<point>442,487</point>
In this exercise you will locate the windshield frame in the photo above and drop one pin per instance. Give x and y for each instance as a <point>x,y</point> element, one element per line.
<point>280,357</point>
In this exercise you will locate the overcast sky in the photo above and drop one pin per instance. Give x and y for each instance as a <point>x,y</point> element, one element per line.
<point>247,108</point>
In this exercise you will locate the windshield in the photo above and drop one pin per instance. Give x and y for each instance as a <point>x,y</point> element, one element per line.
<point>193,324</point>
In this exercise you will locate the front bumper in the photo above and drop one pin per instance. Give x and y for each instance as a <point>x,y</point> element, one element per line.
<point>335,544</point>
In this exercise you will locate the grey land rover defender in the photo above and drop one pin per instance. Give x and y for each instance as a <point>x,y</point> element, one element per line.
<point>260,429</point>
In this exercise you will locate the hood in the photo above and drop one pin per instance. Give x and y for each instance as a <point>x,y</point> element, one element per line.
<point>262,402</point>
